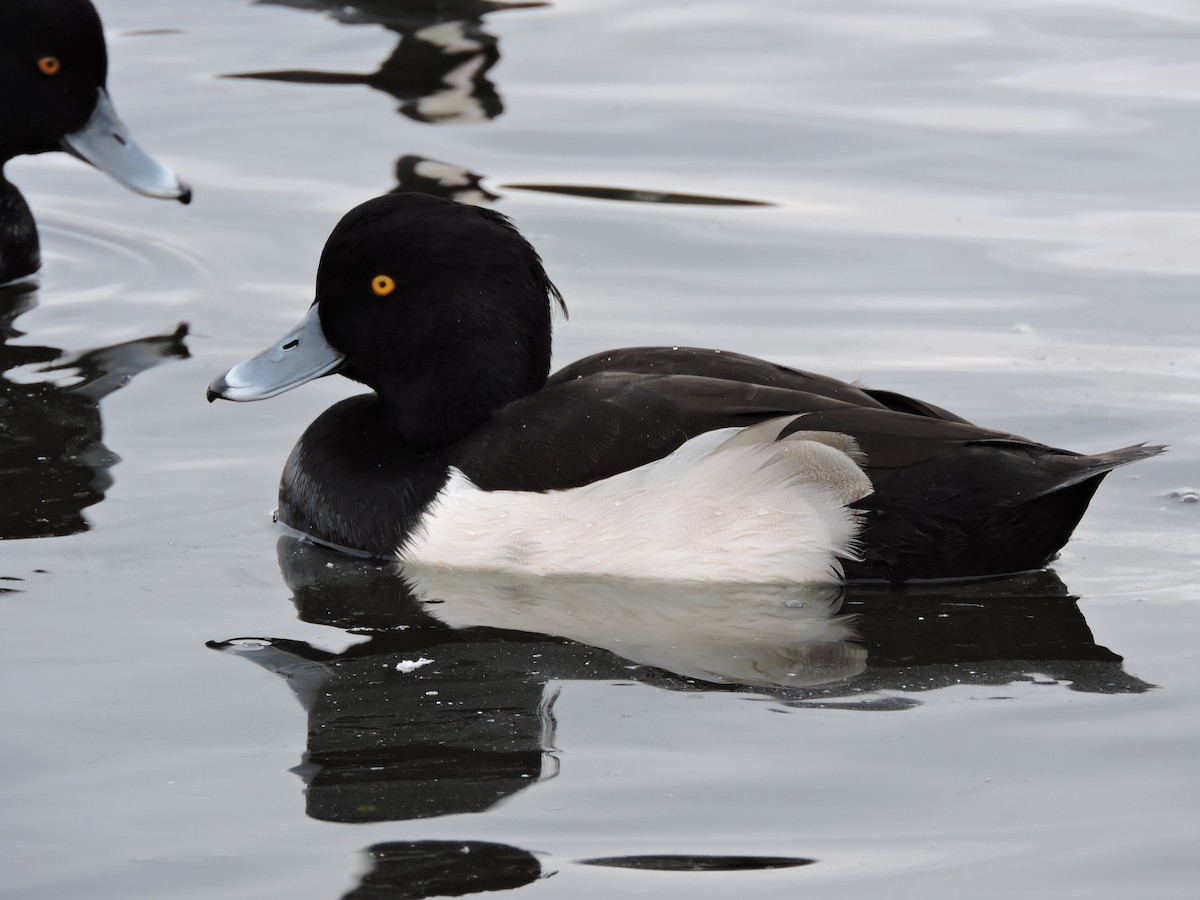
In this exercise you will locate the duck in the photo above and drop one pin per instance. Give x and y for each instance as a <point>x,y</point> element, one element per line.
<point>643,462</point>
<point>53,91</point>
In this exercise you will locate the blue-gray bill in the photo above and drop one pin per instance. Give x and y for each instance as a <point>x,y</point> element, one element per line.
<point>106,143</point>
<point>298,357</point>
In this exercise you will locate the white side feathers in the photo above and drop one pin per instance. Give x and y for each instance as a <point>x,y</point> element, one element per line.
<point>734,505</point>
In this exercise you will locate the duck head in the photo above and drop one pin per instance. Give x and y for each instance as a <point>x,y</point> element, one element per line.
<point>442,309</point>
<point>53,72</point>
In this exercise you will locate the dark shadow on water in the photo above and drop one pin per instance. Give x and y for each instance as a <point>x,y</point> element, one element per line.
<point>439,68</point>
<point>53,462</point>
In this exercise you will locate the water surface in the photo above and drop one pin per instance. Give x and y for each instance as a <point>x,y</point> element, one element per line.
<point>992,206</point>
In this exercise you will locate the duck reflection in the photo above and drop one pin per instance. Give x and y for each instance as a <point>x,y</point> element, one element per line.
<point>445,707</point>
<point>438,70</point>
<point>1023,628</point>
<point>419,723</point>
<point>422,175</point>
<point>53,463</point>
<point>429,176</point>
<point>413,870</point>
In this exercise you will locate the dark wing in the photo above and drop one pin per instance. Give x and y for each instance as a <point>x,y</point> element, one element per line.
<point>588,423</point>
<point>575,432</point>
<point>747,370</point>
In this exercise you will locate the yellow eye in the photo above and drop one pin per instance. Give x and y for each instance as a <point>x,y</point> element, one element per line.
<point>49,65</point>
<point>382,285</point>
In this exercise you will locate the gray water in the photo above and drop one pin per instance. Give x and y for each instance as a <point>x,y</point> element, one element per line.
<point>993,206</point>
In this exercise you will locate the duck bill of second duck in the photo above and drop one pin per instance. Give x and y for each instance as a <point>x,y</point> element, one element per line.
<point>106,142</point>
<point>298,357</point>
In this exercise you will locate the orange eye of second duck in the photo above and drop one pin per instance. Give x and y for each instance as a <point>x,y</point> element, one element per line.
<point>382,285</point>
<point>49,65</point>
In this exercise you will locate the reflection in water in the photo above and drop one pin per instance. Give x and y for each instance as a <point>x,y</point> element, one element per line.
<point>754,635</point>
<point>419,723</point>
<point>428,176</point>
<point>438,70</point>
<point>444,708</point>
<point>417,174</point>
<point>1026,628</point>
<point>413,870</point>
<point>635,195</point>
<point>675,863</point>
<point>53,464</point>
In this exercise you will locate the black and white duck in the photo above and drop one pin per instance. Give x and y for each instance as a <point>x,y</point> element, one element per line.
<point>649,462</point>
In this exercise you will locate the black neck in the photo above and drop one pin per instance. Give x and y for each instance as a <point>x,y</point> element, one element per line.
<point>443,386</point>
<point>353,483</point>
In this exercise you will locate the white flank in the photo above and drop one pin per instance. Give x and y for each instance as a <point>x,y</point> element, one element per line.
<point>734,505</point>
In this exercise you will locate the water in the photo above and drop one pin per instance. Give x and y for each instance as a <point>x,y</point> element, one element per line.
<point>992,207</point>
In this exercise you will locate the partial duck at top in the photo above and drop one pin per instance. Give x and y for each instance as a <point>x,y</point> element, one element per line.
<point>644,462</point>
<point>53,72</point>
<point>439,69</point>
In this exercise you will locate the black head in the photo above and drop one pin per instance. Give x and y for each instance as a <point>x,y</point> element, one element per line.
<point>442,308</point>
<point>52,63</point>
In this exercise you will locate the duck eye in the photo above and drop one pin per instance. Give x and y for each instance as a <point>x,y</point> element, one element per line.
<point>49,65</point>
<point>382,285</point>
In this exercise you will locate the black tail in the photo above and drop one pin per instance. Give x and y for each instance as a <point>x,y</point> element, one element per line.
<point>995,507</point>
<point>1098,465</point>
